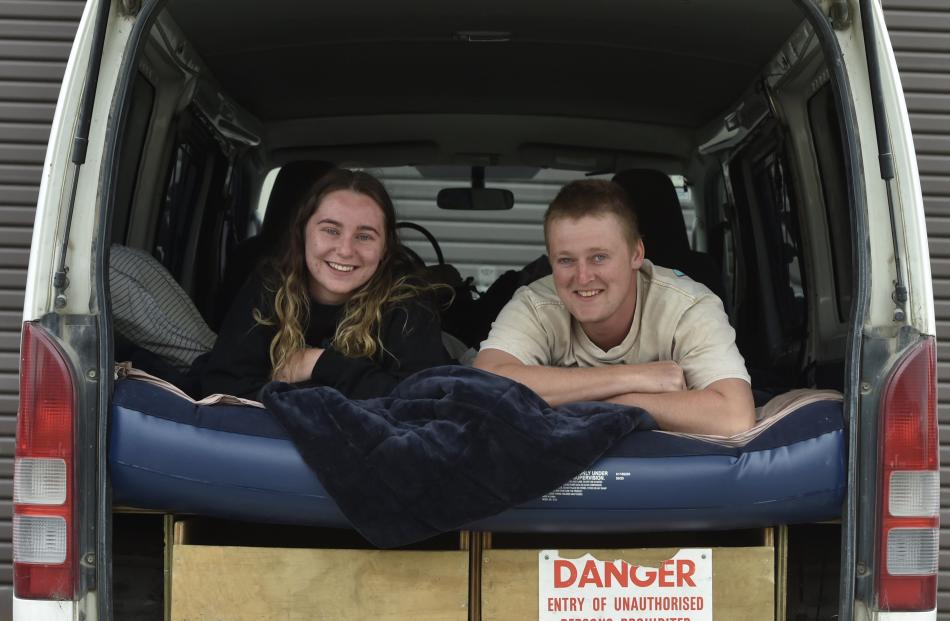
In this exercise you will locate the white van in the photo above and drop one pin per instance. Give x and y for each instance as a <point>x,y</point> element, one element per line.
<point>781,129</point>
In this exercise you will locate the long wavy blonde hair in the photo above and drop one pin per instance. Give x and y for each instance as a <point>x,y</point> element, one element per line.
<point>357,333</point>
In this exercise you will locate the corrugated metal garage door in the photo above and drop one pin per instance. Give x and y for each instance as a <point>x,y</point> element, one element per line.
<point>517,236</point>
<point>35,37</point>
<point>920,32</point>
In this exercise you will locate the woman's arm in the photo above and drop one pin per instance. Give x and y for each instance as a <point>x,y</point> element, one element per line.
<point>412,336</point>
<point>240,364</point>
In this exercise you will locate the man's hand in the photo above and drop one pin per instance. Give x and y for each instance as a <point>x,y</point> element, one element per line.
<point>559,385</point>
<point>662,376</point>
<point>300,366</point>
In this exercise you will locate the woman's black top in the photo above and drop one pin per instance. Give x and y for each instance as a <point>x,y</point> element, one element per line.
<point>240,363</point>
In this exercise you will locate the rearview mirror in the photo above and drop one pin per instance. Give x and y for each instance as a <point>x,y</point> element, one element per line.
<point>475,199</point>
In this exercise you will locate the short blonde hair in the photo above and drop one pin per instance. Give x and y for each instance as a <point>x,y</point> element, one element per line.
<point>594,197</point>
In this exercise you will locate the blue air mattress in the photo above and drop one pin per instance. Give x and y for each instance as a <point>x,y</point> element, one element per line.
<point>168,454</point>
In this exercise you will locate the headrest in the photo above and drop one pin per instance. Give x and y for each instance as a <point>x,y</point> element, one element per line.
<point>658,210</point>
<point>290,189</point>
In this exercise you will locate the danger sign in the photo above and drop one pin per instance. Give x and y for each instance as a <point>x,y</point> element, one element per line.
<point>589,589</point>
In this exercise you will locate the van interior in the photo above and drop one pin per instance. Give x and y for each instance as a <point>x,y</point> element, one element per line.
<point>720,118</point>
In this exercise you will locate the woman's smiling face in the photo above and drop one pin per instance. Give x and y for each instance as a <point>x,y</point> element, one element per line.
<point>345,240</point>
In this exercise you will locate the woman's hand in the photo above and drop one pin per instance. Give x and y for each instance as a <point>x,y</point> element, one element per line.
<point>300,365</point>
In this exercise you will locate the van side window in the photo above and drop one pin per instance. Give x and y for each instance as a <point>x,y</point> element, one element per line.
<point>191,180</point>
<point>781,224</point>
<point>133,140</point>
<point>826,137</point>
<point>181,190</point>
<point>771,303</point>
<point>721,239</point>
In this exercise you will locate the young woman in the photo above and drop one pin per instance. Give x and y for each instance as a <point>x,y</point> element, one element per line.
<point>338,308</point>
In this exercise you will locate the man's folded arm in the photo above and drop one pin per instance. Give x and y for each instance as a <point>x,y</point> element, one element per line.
<point>723,408</point>
<point>559,385</point>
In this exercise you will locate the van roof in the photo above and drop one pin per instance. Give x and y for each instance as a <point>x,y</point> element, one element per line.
<point>674,63</point>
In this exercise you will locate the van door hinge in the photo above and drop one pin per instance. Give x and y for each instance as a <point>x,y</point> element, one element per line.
<point>840,14</point>
<point>131,7</point>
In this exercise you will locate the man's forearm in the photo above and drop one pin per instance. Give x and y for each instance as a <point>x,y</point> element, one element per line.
<point>558,385</point>
<point>724,410</point>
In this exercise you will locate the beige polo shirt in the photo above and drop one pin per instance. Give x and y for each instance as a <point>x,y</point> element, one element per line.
<point>676,319</point>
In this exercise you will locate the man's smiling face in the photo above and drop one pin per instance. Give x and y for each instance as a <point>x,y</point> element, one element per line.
<point>595,274</point>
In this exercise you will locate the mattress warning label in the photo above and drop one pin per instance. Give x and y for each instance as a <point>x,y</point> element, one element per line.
<point>586,588</point>
<point>587,481</point>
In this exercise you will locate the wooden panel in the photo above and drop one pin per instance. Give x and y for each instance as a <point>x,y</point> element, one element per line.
<point>743,581</point>
<point>261,584</point>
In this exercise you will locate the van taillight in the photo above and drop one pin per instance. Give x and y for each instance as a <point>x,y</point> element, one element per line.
<point>43,516</point>
<point>910,485</point>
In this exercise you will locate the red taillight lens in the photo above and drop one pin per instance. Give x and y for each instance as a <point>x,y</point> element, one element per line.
<point>43,517</point>
<point>910,485</point>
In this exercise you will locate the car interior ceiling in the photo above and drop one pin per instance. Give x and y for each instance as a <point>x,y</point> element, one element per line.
<point>432,94</point>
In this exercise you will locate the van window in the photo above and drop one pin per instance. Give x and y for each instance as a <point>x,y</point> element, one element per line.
<point>197,178</point>
<point>826,136</point>
<point>181,192</point>
<point>782,235</point>
<point>771,308</point>
<point>140,113</point>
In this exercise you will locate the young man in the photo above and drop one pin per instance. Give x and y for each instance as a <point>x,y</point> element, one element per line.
<point>608,325</point>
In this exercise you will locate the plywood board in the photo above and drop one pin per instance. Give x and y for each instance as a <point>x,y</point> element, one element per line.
<point>743,580</point>
<point>211,583</point>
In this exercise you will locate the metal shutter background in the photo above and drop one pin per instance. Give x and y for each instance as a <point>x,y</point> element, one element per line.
<point>483,244</point>
<point>516,237</point>
<point>35,38</point>
<point>920,33</point>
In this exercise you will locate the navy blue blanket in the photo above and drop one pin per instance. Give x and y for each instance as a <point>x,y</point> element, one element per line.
<point>450,445</point>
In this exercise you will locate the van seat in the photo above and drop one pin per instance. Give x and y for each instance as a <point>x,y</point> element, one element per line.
<point>290,189</point>
<point>663,227</point>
